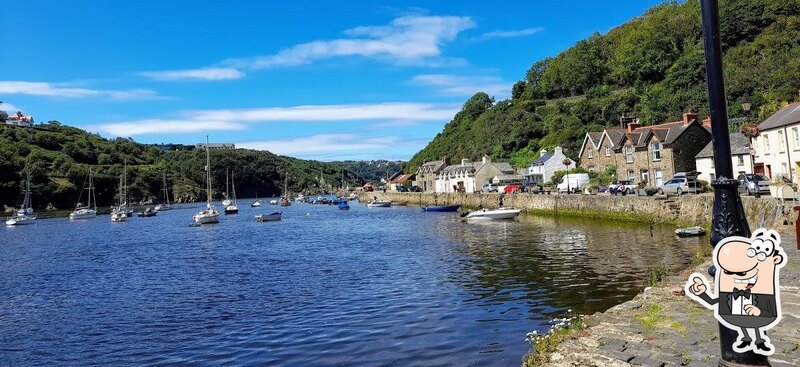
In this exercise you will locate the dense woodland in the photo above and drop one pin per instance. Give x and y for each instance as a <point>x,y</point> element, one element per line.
<point>58,158</point>
<point>652,67</point>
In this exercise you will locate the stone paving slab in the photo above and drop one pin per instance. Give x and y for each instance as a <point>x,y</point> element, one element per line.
<point>661,328</point>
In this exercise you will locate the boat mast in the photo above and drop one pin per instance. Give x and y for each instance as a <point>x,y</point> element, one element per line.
<point>166,191</point>
<point>125,182</point>
<point>92,197</point>
<point>227,193</point>
<point>26,203</point>
<point>233,187</point>
<point>208,174</point>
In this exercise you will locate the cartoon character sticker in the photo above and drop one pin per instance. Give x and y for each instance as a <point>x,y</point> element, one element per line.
<point>746,282</point>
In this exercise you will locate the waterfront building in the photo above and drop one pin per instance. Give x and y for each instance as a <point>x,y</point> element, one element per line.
<point>741,156</point>
<point>542,169</point>
<point>19,119</point>
<point>777,145</point>
<point>471,176</point>
<point>427,174</point>
<point>487,170</point>
<point>647,154</point>
<point>400,179</point>
<point>215,146</point>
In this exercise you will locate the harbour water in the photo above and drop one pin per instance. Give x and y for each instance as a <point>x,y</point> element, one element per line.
<point>322,287</point>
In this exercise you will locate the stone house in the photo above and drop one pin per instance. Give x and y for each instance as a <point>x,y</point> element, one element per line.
<point>488,170</point>
<point>777,145</point>
<point>741,158</point>
<point>471,176</point>
<point>427,174</point>
<point>647,154</point>
<point>542,169</point>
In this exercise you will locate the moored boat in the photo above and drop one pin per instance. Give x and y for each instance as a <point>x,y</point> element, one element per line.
<point>255,204</point>
<point>232,208</point>
<point>165,205</point>
<point>690,231</point>
<point>88,211</point>
<point>24,215</point>
<point>210,214</point>
<point>20,218</point>
<point>494,214</point>
<point>379,204</point>
<point>270,217</point>
<point>343,206</point>
<point>147,213</point>
<point>440,208</point>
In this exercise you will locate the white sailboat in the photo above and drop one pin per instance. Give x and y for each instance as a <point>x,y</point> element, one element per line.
<point>256,203</point>
<point>285,199</point>
<point>118,213</point>
<point>210,214</point>
<point>227,200</point>
<point>24,215</point>
<point>165,205</point>
<point>89,211</point>
<point>232,208</point>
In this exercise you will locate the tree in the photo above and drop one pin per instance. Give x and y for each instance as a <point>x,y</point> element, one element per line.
<point>3,116</point>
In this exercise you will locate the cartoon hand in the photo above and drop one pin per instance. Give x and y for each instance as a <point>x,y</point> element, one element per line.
<point>752,310</point>
<point>699,287</point>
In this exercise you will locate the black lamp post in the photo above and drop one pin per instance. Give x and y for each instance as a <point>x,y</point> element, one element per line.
<point>566,175</point>
<point>728,215</point>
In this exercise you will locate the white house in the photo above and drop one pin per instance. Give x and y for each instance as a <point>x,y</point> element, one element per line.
<point>741,158</point>
<point>19,119</point>
<point>542,169</point>
<point>457,177</point>
<point>777,145</point>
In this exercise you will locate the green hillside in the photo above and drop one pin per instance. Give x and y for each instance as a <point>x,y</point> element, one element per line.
<point>59,157</point>
<point>652,66</point>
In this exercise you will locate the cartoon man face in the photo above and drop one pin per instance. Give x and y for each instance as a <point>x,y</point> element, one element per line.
<point>747,298</point>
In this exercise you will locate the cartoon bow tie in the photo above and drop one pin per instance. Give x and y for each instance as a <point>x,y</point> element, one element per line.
<point>741,293</point>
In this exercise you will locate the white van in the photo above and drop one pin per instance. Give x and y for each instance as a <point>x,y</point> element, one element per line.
<point>573,182</point>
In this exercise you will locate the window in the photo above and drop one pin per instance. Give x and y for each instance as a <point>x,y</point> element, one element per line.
<point>629,153</point>
<point>781,142</point>
<point>656,148</point>
<point>659,177</point>
<point>796,138</point>
<point>712,176</point>
<point>608,150</point>
<point>645,176</point>
<point>766,144</point>
<point>591,154</point>
<point>740,160</point>
<point>631,175</point>
<point>784,169</point>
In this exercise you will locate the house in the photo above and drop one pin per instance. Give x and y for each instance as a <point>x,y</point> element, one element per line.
<point>647,154</point>
<point>741,157</point>
<point>471,176</point>
<point>400,179</point>
<point>19,119</point>
<point>427,174</point>
<point>777,145</point>
<point>488,170</point>
<point>215,146</point>
<point>542,169</point>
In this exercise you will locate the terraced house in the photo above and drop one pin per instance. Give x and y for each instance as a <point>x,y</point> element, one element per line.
<point>646,154</point>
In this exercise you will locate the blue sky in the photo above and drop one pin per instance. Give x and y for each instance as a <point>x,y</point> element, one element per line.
<point>319,80</point>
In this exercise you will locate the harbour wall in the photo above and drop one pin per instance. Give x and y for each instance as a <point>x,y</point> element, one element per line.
<point>684,210</point>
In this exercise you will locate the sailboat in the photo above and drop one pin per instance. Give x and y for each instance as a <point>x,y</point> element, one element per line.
<point>285,199</point>
<point>227,200</point>
<point>232,208</point>
<point>165,205</point>
<point>123,207</point>
<point>89,211</point>
<point>210,215</point>
<point>119,213</point>
<point>256,203</point>
<point>24,215</point>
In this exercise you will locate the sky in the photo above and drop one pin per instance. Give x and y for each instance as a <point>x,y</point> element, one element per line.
<point>319,80</point>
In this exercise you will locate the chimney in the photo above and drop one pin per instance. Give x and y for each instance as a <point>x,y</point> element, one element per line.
<point>707,122</point>
<point>446,161</point>
<point>689,117</point>
<point>542,152</point>
<point>626,119</point>
<point>464,161</point>
<point>486,159</point>
<point>634,125</point>
<point>558,151</point>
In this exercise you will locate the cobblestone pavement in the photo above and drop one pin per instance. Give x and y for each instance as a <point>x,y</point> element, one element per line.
<point>662,328</point>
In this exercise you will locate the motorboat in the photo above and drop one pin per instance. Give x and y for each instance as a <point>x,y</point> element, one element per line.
<point>147,213</point>
<point>20,218</point>
<point>273,202</point>
<point>343,206</point>
<point>447,208</point>
<point>210,214</point>
<point>379,204</point>
<point>88,211</point>
<point>270,217</point>
<point>118,216</point>
<point>232,208</point>
<point>690,231</point>
<point>494,214</point>
<point>255,204</point>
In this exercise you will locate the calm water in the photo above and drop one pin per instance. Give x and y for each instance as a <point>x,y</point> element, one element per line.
<point>323,287</point>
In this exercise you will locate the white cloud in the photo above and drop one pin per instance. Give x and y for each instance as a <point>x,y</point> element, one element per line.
<point>510,34</point>
<point>338,146</point>
<point>62,90</point>
<point>458,85</point>
<point>9,108</point>
<point>412,39</point>
<point>160,126</point>
<point>348,112</point>
<point>210,73</point>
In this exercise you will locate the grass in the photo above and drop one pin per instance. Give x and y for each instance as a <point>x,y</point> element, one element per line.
<point>654,318</point>
<point>543,345</point>
<point>701,255</point>
<point>656,274</point>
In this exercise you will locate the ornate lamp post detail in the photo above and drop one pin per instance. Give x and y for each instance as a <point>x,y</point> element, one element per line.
<point>566,163</point>
<point>728,215</point>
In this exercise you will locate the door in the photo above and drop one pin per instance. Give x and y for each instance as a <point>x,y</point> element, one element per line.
<point>659,178</point>
<point>758,168</point>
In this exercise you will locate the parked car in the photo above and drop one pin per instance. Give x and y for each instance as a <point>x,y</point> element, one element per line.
<point>415,189</point>
<point>512,188</point>
<point>622,187</point>
<point>489,187</point>
<point>681,183</point>
<point>573,182</point>
<point>752,183</point>
<point>401,188</point>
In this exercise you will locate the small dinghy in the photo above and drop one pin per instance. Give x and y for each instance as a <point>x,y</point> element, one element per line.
<point>343,206</point>
<point>271,217</point>
<point>449,208</point>
<point>494,214</point>
<point>379,204</point>
<point>690,231</point>
<point>147,213</point>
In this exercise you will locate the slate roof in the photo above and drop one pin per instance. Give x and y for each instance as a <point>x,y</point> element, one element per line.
<point>615,136</point>
<point>786,116</point>
<point>432,166</point>
<point>740,144</point>
<point>595,136</point>
<point>458,168</point>
<point>543,158</point>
